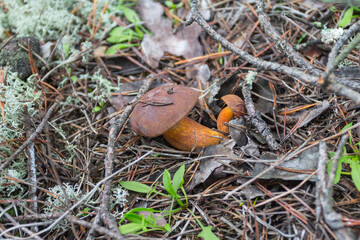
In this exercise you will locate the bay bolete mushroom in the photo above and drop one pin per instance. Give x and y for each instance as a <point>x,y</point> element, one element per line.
<point>163,110</point>
<point>235,107</point>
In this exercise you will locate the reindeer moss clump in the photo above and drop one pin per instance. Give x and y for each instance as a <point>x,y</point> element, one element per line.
<point>47,19</point>
<point>14,95</point>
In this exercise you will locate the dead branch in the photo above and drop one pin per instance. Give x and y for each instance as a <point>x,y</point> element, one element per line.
<point>324,193</point>
<point>266,65</point>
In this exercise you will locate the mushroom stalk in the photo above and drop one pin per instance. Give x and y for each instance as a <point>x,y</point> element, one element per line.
<point>186,132</point>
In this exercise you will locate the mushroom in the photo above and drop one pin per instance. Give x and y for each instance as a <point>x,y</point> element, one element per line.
<point>235,106</point>
<point>163,110</point>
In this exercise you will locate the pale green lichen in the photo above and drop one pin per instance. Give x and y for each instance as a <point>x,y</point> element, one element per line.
<point>16,94</point>
<point>250,78</point>
<point>318,24</point>
<point>11,189</point>
<point>329,35</point>
<point>56,201</point>
<point>347,62</point>
<point>66,192</point>
<point>101,88</point>
<point>119,195</point>
<point>47,19</point>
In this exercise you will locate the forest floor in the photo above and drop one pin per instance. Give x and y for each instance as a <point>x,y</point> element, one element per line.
<point>285,165</point>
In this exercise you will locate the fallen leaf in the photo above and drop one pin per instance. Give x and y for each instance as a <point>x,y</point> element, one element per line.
<point>185,43</point>
<point>289,170</point>
<point>314,113</point>
<point>209,165</point>
<point>251,148</point>
<point>237,131</point>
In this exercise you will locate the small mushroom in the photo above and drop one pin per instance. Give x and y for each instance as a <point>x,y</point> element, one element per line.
<point>235,107</point>
<point>163,110</point>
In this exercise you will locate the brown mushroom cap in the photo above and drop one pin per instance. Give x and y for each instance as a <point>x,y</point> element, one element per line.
<point>235,103</point>
<point>161,108</point>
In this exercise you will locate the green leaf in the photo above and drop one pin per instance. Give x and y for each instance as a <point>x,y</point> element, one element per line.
<point>355,174</point>
<point>207,234</point>
<point>303,36</point>
<point>133,217</point>
<point>346,127</point>
<point>117,32</point>
<point>135,186</point>
<point>137,218</point>
<point>178,179</point>
<point>96,109</point>
<point>130,14</point>
<point>179,5</point>
<point>167,183</point>
<point>139,32</point>
<point>120,34</point>
<point>66,48</point>
<point>113,49</point>
<point>74,79</point>
<point>130,228</point>
<point>143,210</point>
<point>338,170</point>
<point>84,212</point>
<point>117,39</point>
<point>349,159</point>
<point>169,4</point>
<point>167,227</point>
<point>347,17</point>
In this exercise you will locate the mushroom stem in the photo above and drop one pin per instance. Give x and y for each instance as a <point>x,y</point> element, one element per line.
<point>225,116</point>
<point>182,136</point>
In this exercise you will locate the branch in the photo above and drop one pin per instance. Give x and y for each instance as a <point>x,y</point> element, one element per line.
<point>331,85</point>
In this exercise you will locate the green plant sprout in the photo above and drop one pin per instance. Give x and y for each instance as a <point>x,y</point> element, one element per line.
<point>173,6</point>
<point>353,161</point>
<point>123,37</point>
<point>98,108</point>
<point>220,59</point>
<point>303,36</point>
<point>139,223</point>
<point>348,15</point>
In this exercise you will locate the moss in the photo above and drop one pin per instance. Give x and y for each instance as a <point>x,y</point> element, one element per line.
<point>17,58</point>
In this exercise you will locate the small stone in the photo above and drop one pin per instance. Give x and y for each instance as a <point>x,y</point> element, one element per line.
<point>17,58</point>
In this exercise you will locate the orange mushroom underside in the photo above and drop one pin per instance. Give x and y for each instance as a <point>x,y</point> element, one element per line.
<point>186,132</point>
<point>225,116</point>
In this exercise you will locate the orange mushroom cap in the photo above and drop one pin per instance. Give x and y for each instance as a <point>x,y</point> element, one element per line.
<point>235,103</point>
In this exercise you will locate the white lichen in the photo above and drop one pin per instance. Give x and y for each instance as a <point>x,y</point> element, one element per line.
<point>101,88</point>
<point>59,195</point>
<point>329,35</point>
<point>119,201</point>
<point>15,94</point>
<point>347,62</point>
<point>250,78</point>
<point>9,188</point>
<point>47,19</point>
